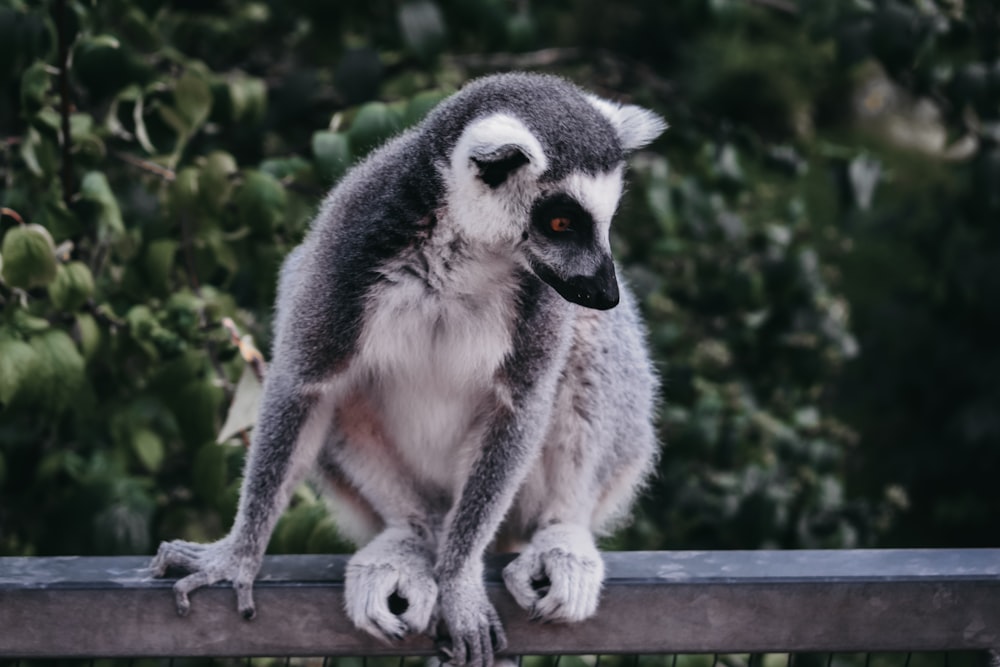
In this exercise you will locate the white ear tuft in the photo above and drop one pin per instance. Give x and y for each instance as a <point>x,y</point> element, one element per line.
<point>636,127</point>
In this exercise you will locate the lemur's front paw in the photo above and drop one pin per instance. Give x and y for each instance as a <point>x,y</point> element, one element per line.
<point>558,576</point>
<point>389,591</point>
<point>207,563</point>
<point>472,632</point>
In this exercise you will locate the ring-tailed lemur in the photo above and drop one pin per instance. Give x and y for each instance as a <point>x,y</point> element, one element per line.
<point>433,363</point>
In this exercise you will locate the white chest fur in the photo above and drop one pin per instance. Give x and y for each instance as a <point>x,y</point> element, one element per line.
<point>432,343</point>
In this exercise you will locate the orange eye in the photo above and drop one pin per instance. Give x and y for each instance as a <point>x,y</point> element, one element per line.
<point>560,224</point>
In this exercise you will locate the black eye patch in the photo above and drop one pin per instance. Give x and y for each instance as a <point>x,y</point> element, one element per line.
<point>561,218</point>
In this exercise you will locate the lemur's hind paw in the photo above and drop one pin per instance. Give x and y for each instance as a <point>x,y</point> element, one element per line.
<point>558,576</point>
<point>389,590</point>
<point>208,564</point>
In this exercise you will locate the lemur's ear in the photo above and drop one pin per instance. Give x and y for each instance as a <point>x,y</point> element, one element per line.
<point>636,127</point>
<point>498,164</point>
<point>498,146</point>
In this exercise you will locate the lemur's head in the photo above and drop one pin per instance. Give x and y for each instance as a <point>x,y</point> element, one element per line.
<point>537,165</point>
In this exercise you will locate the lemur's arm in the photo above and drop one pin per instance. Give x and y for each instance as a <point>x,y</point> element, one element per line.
<point>526,387</point>
<point>283,446</point>
<point>296,409</point>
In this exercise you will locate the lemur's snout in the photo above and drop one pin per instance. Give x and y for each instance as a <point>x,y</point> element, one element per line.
<point>598,291</point>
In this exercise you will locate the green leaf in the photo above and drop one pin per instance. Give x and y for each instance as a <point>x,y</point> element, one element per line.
<point>184,191</point>
<point>261,201</point>
<point>295,528</point>
<point>159,261</point>
<point>57,218</point>
<point>374,123</point>
<point>100,202</point>
<point>215,183</point>
<point>40,154</point>
<point>326,539</point>
<point>73,285</point>
<point>420,104</point>
<point>48,122</point>
<point>196,407</point>
<point>214,252</point>
<point>281,168</point>
<point>143,326</point>
<point>88,333</point>
<point>17,363</point>
<point>34,86</point>
<point>59,373</point>
<point>148,448</point>
<point>193,98</point>
<point>333,154</point>
<point>247,99</point>
<point>27,324</point>
<point>29,257</point>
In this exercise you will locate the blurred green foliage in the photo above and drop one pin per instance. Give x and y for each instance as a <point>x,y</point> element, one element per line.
<point>815,243</point>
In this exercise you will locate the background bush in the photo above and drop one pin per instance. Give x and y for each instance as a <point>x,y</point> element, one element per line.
<point>815,242</point>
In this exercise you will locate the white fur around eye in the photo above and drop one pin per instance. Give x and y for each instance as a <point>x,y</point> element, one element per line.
<point>599,194</point>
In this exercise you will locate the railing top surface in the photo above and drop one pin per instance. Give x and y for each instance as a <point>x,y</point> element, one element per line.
<point>652,602</point>
<point>623,568</point>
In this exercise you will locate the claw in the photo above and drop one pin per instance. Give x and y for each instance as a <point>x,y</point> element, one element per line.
<point>498,638</point>
<point>183,603</point>
<point>445,652</point>
<point>244,600</point>
<point>392,633</point>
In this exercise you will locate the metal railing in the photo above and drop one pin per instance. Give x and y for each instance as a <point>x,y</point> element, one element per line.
<point>716,602</point>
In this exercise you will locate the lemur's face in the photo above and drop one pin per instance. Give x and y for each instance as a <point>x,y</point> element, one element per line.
<point>566,239</point>
<point>552,209</point>
<point>559,229</point>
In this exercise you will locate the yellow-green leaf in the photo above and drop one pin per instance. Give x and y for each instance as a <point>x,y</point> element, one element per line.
<point>73,285</point>
<point>17,363</point>
<point>96,193</point>
<point>148,448</point>
<point>29,257</point>
<point>193,98</point>
<point>261,201</point>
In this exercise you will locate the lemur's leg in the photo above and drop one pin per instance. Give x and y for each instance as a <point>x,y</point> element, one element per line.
<point>558,575</point>
<point>524,392</point>
<point>390,589</point>
<point>291,426</point>
<point>584,480</point>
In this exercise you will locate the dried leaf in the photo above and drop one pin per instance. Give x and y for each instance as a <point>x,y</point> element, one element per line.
<point>243,410</point>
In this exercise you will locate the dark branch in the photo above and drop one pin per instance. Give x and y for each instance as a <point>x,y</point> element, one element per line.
<point>146,165</point>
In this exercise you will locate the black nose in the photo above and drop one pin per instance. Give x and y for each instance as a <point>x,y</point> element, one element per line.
<point>598,291</point>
